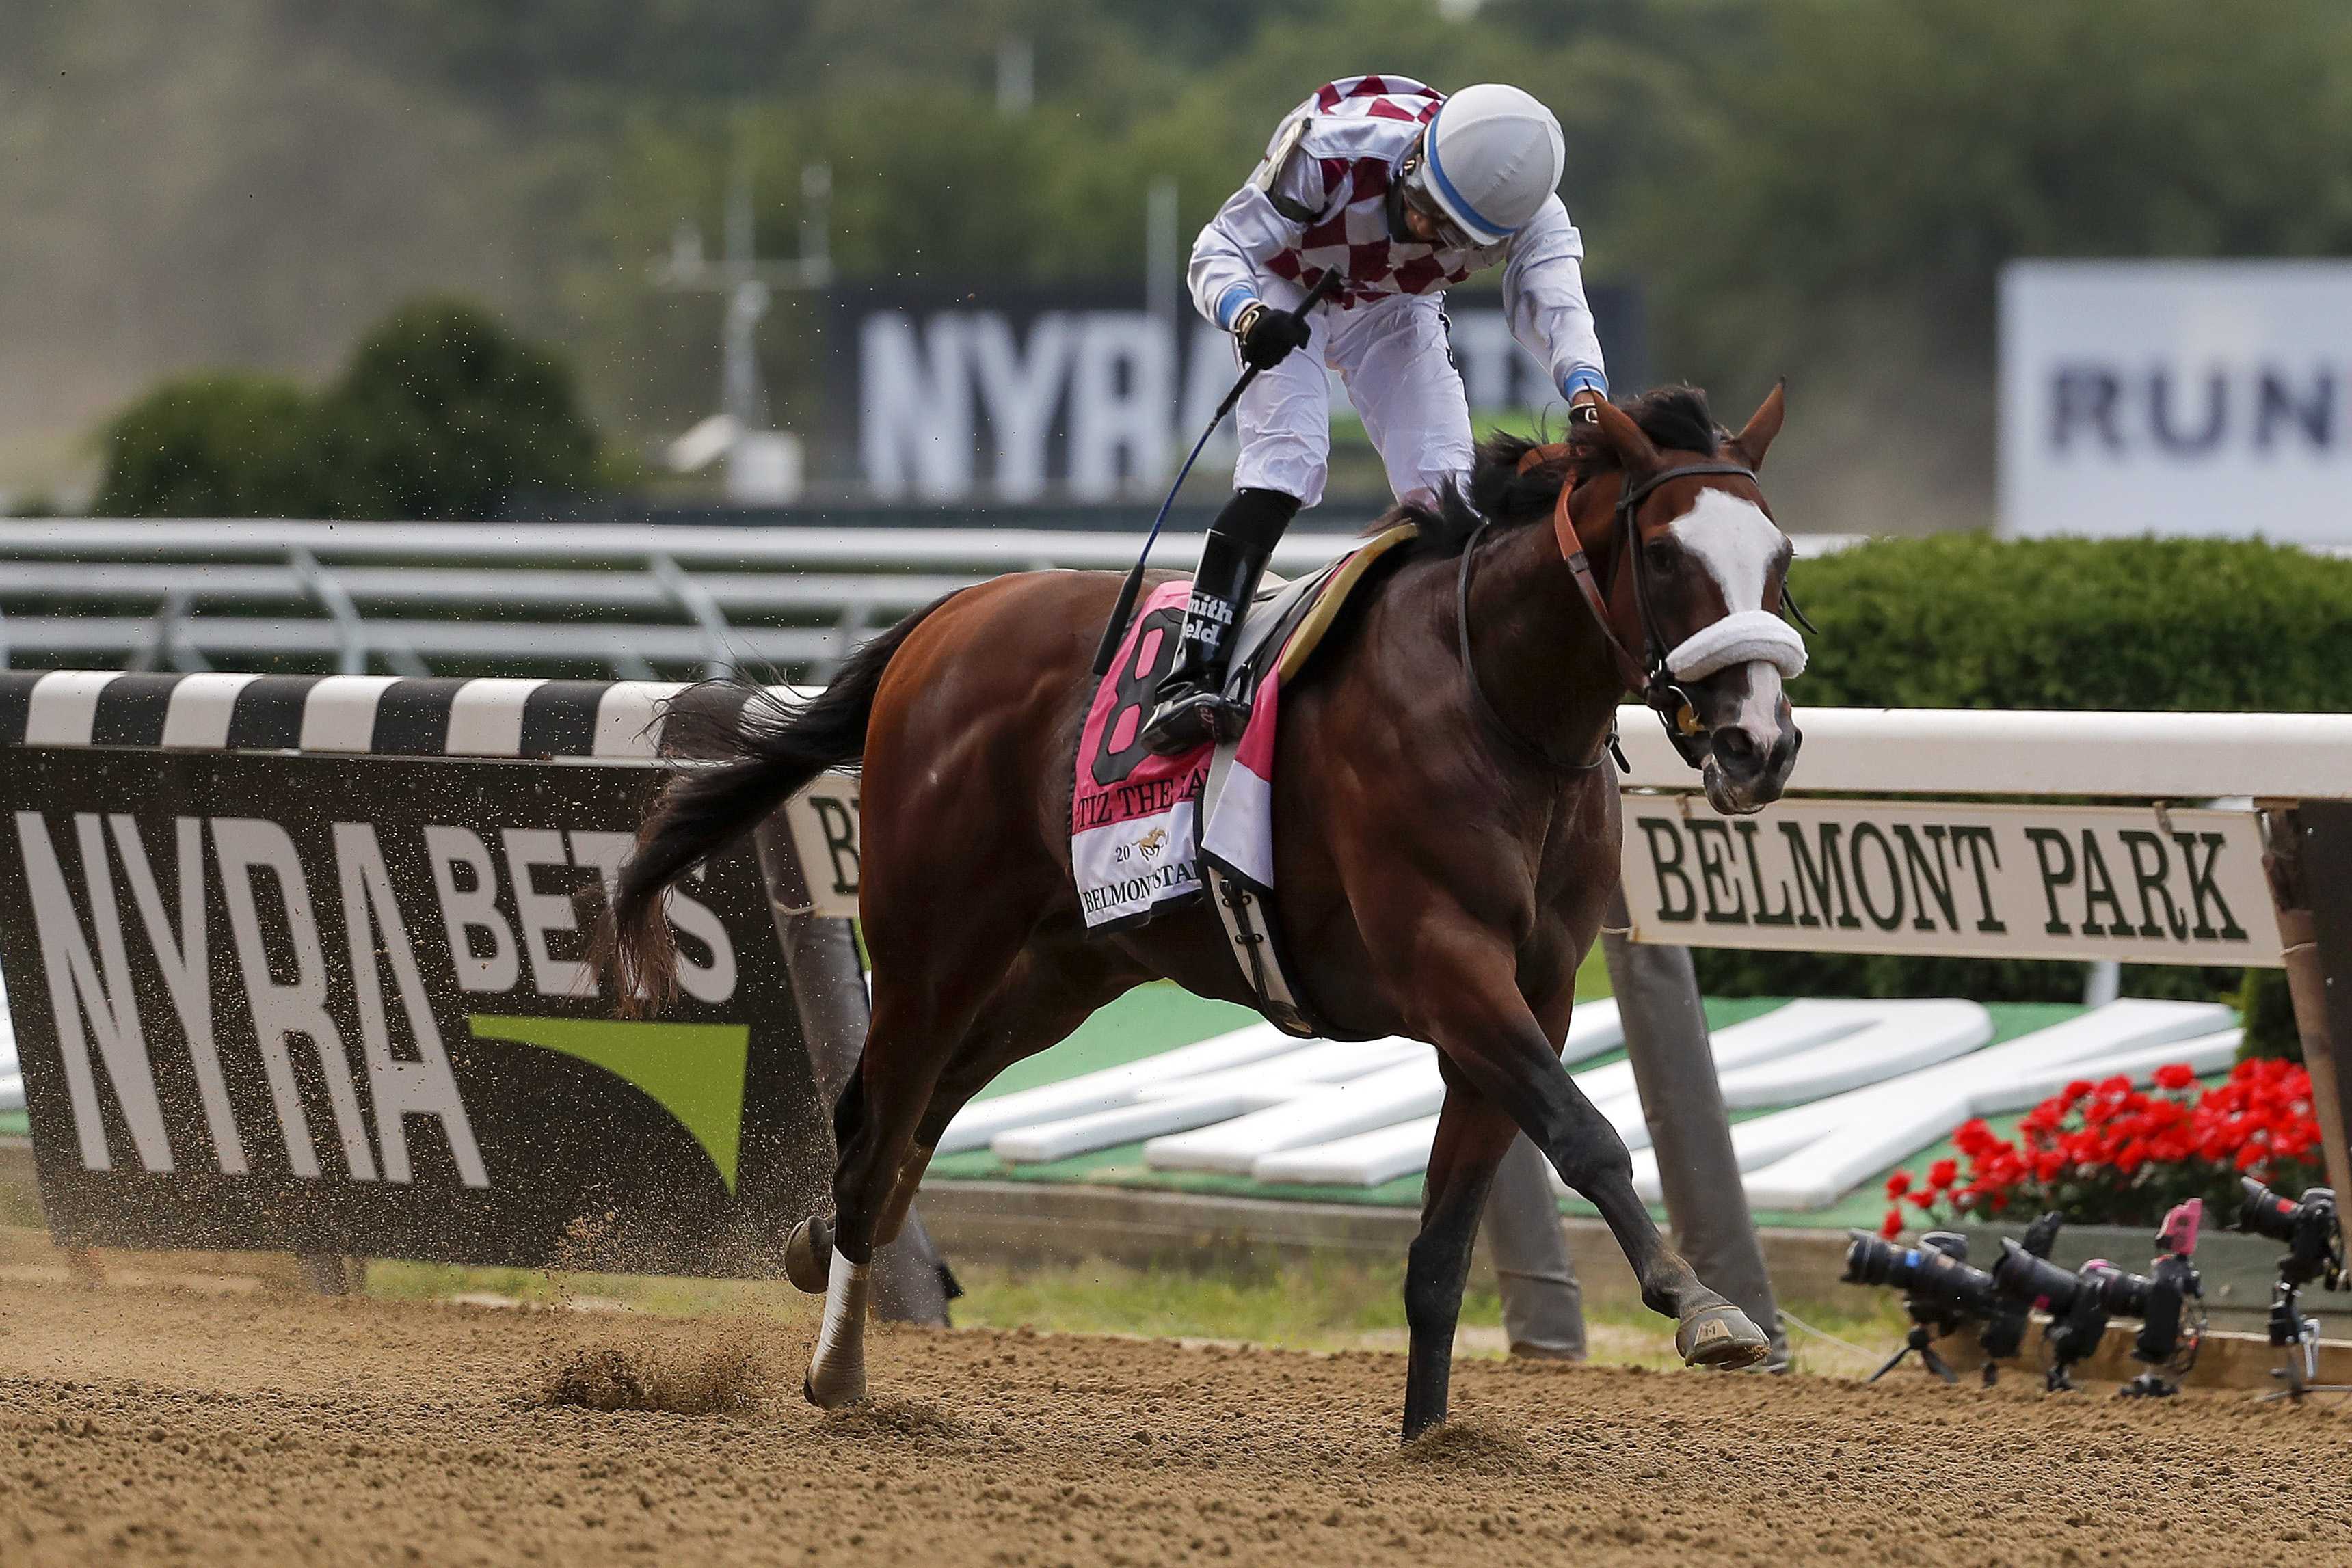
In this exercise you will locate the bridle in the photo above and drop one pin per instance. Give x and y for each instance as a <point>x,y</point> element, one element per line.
<point>1647,674</point>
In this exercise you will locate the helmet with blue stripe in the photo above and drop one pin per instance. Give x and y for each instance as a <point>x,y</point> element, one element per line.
<point>1491,157</point>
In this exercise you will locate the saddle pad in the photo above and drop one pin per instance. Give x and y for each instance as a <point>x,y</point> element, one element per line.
<point>1132,839</point>
<point>1135,819</point>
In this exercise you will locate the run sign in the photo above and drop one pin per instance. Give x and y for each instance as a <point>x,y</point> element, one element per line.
<point>2141,884</point>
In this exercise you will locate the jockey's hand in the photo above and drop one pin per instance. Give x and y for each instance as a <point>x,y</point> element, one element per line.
<point>1266,335</point>
<point>1582,407</point>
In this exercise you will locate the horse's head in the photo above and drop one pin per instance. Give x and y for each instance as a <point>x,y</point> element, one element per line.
<point>1693,568</point>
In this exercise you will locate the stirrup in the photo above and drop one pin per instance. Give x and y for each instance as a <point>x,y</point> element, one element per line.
<point>1190,719</point>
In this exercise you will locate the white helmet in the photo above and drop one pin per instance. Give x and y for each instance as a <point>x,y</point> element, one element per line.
<point>1492,156</point>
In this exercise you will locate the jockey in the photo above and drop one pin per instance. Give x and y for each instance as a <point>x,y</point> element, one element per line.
<point>1404,191</point>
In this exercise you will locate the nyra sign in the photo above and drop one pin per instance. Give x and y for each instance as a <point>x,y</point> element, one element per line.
<point>2176,398</point>
<point>341,1004</point>
<point>1021,399</point>
<point>2139,884</point>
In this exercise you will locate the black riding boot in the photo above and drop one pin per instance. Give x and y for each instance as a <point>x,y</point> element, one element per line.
<point>1192,707</point>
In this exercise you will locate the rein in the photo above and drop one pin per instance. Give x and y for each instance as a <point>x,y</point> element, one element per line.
<point>1647,674</point>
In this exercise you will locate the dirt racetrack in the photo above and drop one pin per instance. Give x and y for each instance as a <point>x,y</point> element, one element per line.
<point>155,1425</point>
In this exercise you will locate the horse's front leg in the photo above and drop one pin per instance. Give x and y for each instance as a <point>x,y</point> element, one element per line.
<point>1473,1135</point>
<point>1466,993</point>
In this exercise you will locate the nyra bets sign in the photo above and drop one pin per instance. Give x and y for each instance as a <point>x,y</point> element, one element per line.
<point>2136,884</point>
<point>339,1005</point>
<point>2191,397</point>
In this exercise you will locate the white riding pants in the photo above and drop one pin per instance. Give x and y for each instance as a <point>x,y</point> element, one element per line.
<point>1392,358</point>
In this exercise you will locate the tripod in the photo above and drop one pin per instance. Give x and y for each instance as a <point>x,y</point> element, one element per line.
<point>1921,1339</point>
<point>2299,1337</point>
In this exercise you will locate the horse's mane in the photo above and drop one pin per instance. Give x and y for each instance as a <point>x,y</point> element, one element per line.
<point>1674,418</point>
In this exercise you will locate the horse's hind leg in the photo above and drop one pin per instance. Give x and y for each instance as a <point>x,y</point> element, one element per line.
<point>908,1086</point>
<point>920,1014</point>
<point>1473,1135</point>
<point>1050,990</point>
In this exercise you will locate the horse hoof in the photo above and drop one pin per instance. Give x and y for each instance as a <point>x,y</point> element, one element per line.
<point>1722,1337</point>
<point>808,1255</point>
<point>837,1393</point>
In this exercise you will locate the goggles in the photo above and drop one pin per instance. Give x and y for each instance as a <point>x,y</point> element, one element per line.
<point>1412,184</point>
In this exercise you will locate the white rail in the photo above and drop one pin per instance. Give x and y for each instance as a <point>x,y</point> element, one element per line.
<point>414,599</point>
<point>418,599</point>
<point>2172,757</point>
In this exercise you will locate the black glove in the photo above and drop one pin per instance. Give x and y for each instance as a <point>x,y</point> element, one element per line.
<point>1267,336</point>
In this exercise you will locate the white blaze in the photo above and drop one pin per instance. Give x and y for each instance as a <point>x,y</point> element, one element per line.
<point>1737,543</point>
<point>1731,537</point>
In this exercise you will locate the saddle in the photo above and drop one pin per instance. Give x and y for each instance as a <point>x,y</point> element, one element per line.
<point>1288,621</point>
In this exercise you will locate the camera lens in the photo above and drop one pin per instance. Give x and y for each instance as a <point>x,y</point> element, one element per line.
<point>1933,1272</point>
<point>2123,1294</point>
<point>2024,1277</point>
<point>2265,1213</point>
<point>1870,1261</point>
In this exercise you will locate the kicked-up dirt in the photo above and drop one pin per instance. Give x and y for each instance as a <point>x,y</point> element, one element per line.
<point>159,1425</point>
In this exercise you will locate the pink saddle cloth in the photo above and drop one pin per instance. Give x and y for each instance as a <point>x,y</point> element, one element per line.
<point>1135,832</point>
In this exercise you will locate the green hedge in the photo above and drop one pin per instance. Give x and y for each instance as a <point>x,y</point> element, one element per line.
<point>1965,621</point>
<point>443,414</point>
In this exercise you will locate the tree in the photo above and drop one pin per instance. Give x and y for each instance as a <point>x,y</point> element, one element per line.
<point>211,446</point>
<point>445,414</point>
<point>442,414</point>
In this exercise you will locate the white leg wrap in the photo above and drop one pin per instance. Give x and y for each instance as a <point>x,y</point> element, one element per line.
<point>836,1375</point>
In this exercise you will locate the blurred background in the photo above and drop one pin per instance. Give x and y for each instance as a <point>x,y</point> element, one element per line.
<point>905,251</point>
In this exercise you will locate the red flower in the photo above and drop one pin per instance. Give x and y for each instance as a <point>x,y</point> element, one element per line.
<point>2114,1150</point>
<point>1898,1184</point>
<point>1892,1226</point>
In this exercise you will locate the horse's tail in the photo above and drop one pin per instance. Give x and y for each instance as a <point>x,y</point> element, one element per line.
<point>753,759</point>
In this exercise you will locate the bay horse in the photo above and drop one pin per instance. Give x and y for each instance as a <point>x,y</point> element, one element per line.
<point>1446,837</point>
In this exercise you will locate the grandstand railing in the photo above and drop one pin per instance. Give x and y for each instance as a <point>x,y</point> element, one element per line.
<point>418,599</point>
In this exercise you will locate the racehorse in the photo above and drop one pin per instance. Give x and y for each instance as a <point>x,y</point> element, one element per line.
<point>1446,835</point>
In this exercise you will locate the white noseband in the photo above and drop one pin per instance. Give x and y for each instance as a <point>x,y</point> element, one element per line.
<point>1739,638</point>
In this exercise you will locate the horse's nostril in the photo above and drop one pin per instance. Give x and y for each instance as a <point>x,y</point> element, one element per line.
<point>1736,750</point>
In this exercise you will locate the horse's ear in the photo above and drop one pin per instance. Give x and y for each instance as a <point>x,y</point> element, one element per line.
<point>1625,438</point>
<point>1762,426</point>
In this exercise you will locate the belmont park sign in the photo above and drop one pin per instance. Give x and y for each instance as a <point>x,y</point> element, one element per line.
<point>2142,884</point>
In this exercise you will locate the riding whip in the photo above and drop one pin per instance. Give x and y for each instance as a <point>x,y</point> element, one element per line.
<point>1117,626</point>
